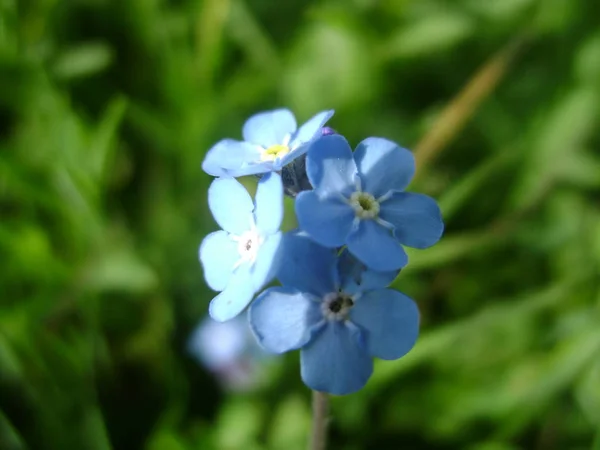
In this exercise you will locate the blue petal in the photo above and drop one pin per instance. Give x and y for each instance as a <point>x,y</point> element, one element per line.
<point>254,168</point>
<point>269,128</point>
<point>230,205</point>
<point>311,129</point>
<point>417,218</point>
<point>269,204</point>
<point>267,261</point>
<point>356,277</point>
<point>282,318</point>
<point>375,246</point>
<point>305,135</point>
<point>307,266</point>
<point>383,166</point>
<point>218,254</point>
<point>228,156</point>
<point>390,320</point>
<point>234,298</point>
<point>327,220</point>
<point>330,166</point>
<point>336,360</point>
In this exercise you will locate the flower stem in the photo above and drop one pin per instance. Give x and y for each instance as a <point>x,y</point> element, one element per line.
<point>320,406</point>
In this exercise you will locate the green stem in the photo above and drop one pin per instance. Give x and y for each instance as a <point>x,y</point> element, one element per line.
<point>320,406</point>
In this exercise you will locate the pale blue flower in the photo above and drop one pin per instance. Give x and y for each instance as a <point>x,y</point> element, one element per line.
<point>240,259</point>
<point>271,141</point>
<point>229,351</point>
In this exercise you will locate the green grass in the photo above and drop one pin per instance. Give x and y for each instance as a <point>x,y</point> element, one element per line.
<point>106,111</point>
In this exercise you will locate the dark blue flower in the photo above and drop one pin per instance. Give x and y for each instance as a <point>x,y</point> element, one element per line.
<point>271,141</point>
<point>240,259</point>
<point>358,201</point>
<point>338,324</point>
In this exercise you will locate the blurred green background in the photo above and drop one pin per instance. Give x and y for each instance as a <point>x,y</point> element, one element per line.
<point>106,111</point>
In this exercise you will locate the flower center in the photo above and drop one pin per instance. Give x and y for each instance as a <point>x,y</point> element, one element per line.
<point>274,152</point>
<point>364,204</point>
<point>248,245</point>
<point>336,306</point>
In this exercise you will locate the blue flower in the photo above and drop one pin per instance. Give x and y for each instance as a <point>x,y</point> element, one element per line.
<point>240,259</point>
<point>358,201</point>
<point>338,325</point>
<point>229,351</point>
<point>271,141</point>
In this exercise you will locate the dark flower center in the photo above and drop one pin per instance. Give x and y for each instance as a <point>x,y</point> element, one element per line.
<point>340,302</point>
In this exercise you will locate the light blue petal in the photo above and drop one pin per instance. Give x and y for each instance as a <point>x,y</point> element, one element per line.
<point>255,168</point>
<point>234,298</point>
<point>375,246</point>
<point>311,129</point>
<point>417,218</point>
<point>228,156</point>
<point>336,360</point>
<point>267,261</point>
<point>383,166</point>
<point>269,204</point>
<point>390,320</point>
<point>356,277</point>
<point>307,266</point>
<point>328,221</point>
<point>330,166</point>
<point>282,318</point>
<point>269,127</point>
<point>218,254</point>
<point>231,205</point>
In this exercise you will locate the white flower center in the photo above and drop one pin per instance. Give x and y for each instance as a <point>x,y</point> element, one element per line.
<point>249,243</point>
<point>364,204</point>
<point>337,306</point>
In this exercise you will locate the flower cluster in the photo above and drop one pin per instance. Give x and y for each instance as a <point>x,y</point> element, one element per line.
<point>354,220</point>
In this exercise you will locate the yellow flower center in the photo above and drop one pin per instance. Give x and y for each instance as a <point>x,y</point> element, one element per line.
<point>364,204</point>
<point>274,152</point>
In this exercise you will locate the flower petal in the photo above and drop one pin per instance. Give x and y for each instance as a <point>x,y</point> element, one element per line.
<point>307,266</point>
<point>230,205</point>
<point>218,254</point>
<point>282,318</point>
<point>269,127</point>
<point>228,156</point>
<point>267,261</point>
<point>327,220</point>
<point>416,218</point>
<point>383,165</point>
<point>336,360</point>
<point>357,277</point>
<point>330,166</point>
<point>234,298</point>
<point>269,204</point>
<point>311,128</point>
<point>390,320</point>
<point>375,246</point>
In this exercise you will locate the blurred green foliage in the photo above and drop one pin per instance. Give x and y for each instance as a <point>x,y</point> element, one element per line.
<point>106,111</point>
